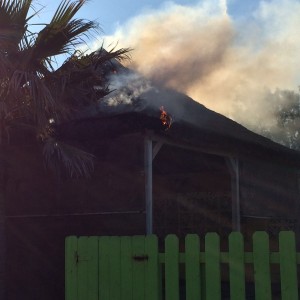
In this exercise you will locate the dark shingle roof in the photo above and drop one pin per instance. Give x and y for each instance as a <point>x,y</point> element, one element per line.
<point>126,111</point>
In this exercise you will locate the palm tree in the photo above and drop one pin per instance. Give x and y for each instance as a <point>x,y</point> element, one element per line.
<point>35,96</point>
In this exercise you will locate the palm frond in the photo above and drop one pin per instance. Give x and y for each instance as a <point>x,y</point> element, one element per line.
<point>84,77</point>
<point>63,32</point>
<point>103,55</point>
<point>32,97</point>
<point>33,93</point>
<point>13,20</point>
<point>67,11</point>
<point>75,161</point>
<point>54,40</point>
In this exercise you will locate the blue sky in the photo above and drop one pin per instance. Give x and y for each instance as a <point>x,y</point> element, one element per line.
<point>111,13</point>
<point>231,60</point>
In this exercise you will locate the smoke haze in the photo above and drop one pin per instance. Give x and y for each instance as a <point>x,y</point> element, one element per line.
<point>230,65</point>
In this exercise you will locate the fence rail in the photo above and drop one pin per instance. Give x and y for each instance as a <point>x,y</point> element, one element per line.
<point>131,268</point>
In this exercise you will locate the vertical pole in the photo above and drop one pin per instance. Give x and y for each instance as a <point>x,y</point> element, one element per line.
<point>237,215</point>
<point>234,168</point>
<point>148,184</point>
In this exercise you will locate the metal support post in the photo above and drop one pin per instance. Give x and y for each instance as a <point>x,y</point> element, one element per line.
<point>234,167</point>
<point>148,185</point>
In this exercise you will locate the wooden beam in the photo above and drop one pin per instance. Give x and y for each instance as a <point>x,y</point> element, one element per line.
<point>148,184</point>
<point>168,141</point>
<point>234,168</point>
<point>156,149</point>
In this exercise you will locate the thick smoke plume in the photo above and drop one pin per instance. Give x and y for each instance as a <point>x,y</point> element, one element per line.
<point>126,88</point>
<point>230,65</point>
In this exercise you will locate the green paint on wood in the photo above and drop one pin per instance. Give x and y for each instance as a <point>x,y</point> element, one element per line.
<point>192,267</point>
<point>83,268</point>
<point>71,268</point>
<point>236,266</point>
<point>130,268</point>
<point>288,266</point>
<point>171,268</point>
<point>151,268</point>
<point>212,267</point>
<point>115,268</point>
<point>126,268</point>
<point>92,256</point>
<point>104,268</point>
<point>138,268</point>
<point>261,263</point>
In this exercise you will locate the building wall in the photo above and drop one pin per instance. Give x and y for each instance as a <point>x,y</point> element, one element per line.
<point>269,199</point>
<point>191,193</point>
<point>41,211</point>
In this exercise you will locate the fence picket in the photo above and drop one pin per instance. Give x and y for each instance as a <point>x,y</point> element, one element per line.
<point>138,269</point>
<point>151,271</point>
<point>104,268</point>
<point>126,268</point>
<point>212,266</point>
<point>236,266</point>
<point>192,267</point>
<point>92,252</point>
<point>288,266</point>
<point>172,267</point>
<point>71,268</point>
<point>115,267</point>
<point>130,268</point>
<point>83,267</point>
<point>261,261</point>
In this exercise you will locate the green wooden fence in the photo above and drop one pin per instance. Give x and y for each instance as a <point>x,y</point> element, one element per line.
<point>113,268</point>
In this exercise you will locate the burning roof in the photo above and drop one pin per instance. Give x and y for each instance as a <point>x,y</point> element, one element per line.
<point>135,105</point>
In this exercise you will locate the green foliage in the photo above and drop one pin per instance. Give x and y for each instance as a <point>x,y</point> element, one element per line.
<point>33,92</point>
<point>285,105</point>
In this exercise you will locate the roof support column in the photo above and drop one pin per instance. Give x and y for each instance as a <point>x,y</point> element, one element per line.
<point>234,168</point>
<point>148,184</point>
<point>150,154</point>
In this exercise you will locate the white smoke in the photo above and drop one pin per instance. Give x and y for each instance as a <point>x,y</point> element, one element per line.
<point>126,88</point>
<point>230,65</point>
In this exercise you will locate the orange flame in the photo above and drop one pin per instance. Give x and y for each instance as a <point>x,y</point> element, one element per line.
<point>165,118</point>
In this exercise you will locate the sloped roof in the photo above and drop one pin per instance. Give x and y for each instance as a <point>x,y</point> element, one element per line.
<point>194,126</point>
